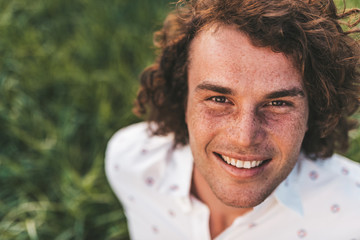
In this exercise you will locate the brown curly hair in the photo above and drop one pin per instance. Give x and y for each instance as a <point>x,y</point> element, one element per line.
<point>307,31</point>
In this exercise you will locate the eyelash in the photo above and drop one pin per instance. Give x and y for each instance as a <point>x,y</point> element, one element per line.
<point>275,103</point>
<point>278,103</point>
<point>219,99</point>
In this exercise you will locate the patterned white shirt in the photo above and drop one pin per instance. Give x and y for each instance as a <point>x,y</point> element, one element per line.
<point>319,200</point>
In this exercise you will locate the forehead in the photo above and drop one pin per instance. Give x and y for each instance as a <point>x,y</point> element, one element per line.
<point>223,52</point>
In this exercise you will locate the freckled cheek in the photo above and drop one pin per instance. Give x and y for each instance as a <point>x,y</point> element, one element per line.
<point>289,130</point>
<point>204,123</point>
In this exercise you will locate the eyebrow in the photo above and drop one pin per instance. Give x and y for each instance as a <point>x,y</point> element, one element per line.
<point>293,92</point>
<point>214,88</point>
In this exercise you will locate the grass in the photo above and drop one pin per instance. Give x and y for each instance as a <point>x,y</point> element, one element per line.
<point>69,73</point>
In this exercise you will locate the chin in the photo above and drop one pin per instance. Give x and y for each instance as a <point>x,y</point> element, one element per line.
<point>242,198</point>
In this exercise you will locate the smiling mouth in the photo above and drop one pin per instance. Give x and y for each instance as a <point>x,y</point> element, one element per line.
<point>240,163</point>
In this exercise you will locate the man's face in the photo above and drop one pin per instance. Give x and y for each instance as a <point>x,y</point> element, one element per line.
<point>246,106</point>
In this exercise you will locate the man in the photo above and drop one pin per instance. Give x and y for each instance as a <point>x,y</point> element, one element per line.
<point>246,105</point>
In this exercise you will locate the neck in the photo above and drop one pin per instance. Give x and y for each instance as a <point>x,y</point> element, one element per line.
<point>221,215</point>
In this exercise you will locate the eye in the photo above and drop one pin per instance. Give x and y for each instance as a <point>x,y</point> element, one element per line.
<point>278,103</point>
<point>219,99</point>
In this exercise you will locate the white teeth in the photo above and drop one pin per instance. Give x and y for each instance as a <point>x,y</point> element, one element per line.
<point>241,164</point>
<point>247,164</point>
<point>227,159</point>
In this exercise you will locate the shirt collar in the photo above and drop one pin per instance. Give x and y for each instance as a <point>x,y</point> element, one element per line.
<point>288,193</point>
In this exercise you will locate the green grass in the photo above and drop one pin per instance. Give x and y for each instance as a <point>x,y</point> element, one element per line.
<point>68,76</point>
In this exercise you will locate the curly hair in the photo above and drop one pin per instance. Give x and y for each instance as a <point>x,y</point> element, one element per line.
<point>309,32</point>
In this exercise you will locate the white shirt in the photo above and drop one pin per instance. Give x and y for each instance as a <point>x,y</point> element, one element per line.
<point>319,200</point>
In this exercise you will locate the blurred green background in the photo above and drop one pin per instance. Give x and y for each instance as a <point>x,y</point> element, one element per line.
<point>68,76</point>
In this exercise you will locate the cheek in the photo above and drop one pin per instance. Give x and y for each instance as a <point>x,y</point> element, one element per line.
<point>202,126</point>
<point>288,131</point>
<point>197,122</point>
<point>206,121</point>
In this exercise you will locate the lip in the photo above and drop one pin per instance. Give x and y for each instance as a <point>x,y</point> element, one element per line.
<point>244,157</point>
<point>243,173</point>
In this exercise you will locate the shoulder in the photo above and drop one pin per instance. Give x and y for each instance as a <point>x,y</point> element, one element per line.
<point>133,142</point>
<point>344,166</point>
<point>133,150</point>
<point>127,139</point>
<point>335,167</point>
<point>330,195</point>
<point>335,180</point>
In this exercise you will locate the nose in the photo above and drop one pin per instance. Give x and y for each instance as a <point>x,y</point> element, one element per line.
<point>246,129</point>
